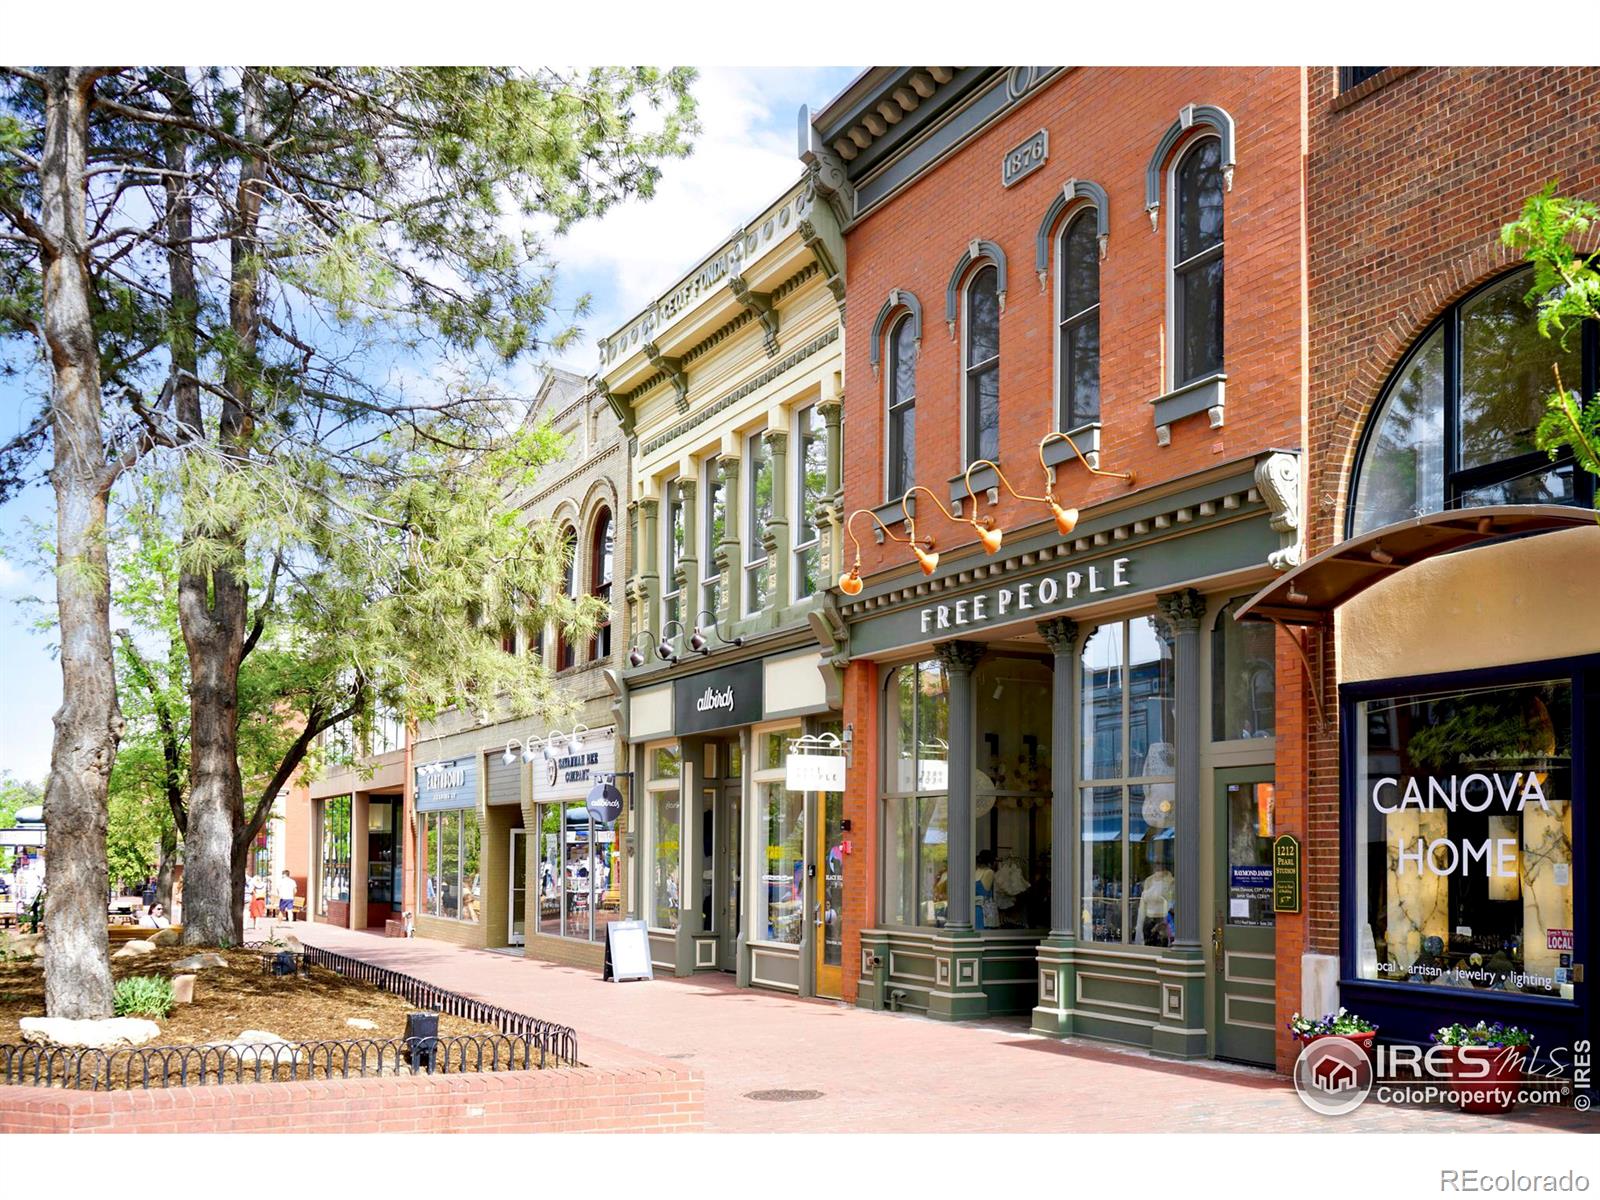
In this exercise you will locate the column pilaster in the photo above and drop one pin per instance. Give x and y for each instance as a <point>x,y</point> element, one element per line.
<point>958,993</point>
<point>1057,970</point>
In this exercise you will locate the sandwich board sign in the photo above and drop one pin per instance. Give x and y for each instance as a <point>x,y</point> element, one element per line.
<point>627,952</point>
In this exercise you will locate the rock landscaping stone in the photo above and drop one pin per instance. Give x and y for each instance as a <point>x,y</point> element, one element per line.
<point>166,937</point>
<point>183,989</point>
<point>360,1023</point>
<point>24,945</point>
<point>134,948</point>
<point>259,1044</point>
<point>100,1035</point>
<point>199,962</point>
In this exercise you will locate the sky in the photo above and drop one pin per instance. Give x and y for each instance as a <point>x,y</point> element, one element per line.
<point>744,157</point>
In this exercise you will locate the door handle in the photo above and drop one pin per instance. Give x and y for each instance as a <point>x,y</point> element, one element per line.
<point>1216,941</point>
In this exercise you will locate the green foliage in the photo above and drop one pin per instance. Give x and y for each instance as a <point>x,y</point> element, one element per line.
<point>1566,293</point>
<point>143,996</point>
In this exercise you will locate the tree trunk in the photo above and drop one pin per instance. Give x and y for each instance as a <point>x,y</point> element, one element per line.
<point>164,871</point>
<point>88,725</point>
<point>213,609</point>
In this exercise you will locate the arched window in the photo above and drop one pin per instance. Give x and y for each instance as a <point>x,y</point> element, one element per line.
<point>1455,425</point>
<point>982,365</point>
<point>601,549</point>
<point>1197,185</point>
<point>1243,677</point>
<point>901,471</point>
<point>566,653</point>
<point>1079,317</point>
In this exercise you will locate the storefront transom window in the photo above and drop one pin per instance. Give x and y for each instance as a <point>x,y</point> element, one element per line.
<point>1463,812</point>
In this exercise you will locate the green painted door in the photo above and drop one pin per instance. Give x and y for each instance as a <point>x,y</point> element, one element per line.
<point>1242,939</point>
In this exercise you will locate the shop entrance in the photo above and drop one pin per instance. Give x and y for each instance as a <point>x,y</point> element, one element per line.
<point>1242,940</point>
<point>829,920</point>
<point>517,927</point>
<point>728,875</point>
<point>383,861</point>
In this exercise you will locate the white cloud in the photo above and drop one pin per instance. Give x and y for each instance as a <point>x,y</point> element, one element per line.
<point>743,159</point>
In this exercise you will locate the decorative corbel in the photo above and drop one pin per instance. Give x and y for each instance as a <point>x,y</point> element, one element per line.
<point>832,276</point>
<point>1278,480</point>
<point>623,412</point>
<point>760,303</point>
<point>673,367</point>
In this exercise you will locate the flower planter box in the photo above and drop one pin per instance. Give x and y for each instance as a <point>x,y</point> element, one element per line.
<point>1366,1040</point>
<point>1487,1079</point>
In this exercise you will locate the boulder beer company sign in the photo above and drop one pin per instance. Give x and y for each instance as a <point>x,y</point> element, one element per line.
<point>719,699</point>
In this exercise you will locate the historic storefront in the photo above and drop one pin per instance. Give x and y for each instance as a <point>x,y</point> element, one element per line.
<point>729,387</point>
<point>1074,453</point>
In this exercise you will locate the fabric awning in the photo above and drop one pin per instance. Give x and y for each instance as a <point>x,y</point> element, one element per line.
<point>1310,592</point>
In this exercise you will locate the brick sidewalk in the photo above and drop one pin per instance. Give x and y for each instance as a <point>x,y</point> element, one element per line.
<point>884,1073</point>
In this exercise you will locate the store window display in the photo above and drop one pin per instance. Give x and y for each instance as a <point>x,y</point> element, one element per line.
<point>1012,794</point>
<point>1463,813</point>
<point>1127,759</point>
<point>916,786</point>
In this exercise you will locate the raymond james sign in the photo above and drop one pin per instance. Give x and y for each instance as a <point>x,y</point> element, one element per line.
<point>718,699</point>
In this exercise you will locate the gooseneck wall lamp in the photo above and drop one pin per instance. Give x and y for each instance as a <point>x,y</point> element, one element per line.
<point>850,581</point>
<point>990,535</point>
<point>698,641</point>
<point>528,755</point>
<point>664,649</point>
<point>636,655</point>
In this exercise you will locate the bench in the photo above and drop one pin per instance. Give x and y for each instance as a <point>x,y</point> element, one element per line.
<point>119,935</point>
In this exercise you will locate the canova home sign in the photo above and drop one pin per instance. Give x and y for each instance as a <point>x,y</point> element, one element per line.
<point>1492,791</point>
<point>1012,602</point>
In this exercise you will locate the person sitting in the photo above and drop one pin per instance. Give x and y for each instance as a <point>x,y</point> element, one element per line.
<point>154,917</point>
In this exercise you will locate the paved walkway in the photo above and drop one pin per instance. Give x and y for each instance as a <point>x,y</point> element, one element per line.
<point>885,1073</point>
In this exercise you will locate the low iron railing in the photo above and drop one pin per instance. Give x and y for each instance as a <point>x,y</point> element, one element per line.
<point>521,1043</point>
<point>44,1065</point>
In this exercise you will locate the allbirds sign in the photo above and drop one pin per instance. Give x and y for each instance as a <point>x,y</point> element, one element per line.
<point>718,699</point>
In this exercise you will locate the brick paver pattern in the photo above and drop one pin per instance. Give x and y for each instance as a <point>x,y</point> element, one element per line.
<point>889,1073</point>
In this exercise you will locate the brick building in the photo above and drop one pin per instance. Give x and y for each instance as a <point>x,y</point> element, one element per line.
<point>1443,671</point>
<point>1068,727</point>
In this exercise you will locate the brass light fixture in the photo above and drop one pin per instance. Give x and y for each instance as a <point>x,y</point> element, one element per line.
<point>988,534</point>
<point>850,582</point>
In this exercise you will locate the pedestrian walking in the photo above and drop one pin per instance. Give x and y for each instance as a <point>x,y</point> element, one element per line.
<point>286,891</point>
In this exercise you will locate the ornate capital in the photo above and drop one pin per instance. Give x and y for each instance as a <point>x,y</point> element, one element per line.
<point>1278,480</point>
<point>1060,634</point>
<point>686,490</point>
<point>648,507</point>
<point>960,657</point>
<point>831,409</point>
<point>729,464</point>
<point>777,442</point>
<point>1182,609</point>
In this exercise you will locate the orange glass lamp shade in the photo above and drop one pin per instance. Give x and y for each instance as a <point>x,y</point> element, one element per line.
<point>928,559</point>
<point>850,582</point>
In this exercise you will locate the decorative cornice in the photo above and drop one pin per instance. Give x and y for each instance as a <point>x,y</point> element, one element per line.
<point>960,658</point>
<point>1071,192</point>
<point>586,465</point>
<point>755,383</point>
<point>1190,116</point>
<point>898,298</point>
<point>977,250</point>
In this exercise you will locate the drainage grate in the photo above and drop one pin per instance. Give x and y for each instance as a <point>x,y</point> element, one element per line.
<point>783,1095</point>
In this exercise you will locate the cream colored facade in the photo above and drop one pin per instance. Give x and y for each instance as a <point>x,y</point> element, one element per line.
<point>729,386</point>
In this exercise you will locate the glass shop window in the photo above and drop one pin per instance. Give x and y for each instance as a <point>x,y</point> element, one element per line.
<point>916,792</point>
<point>1244,677</point>
<point>666,856</point>
<point>1127,761</point>
<point>1465,874</point>
<point>1012,794</point>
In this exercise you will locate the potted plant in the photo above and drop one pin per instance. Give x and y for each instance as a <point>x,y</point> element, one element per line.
<point>1340,1024</point>
<point>1486,1063</point>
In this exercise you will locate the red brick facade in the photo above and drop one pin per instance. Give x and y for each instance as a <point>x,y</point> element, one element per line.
<point>1104,125</point>
<point>1407,185</point>
<point>653,1097</point>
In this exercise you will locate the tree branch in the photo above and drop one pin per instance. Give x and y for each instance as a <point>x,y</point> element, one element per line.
<point>172,785</point>
<point>264,607</point>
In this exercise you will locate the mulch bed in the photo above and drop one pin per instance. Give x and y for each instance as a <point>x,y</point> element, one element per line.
<point>243,995</point>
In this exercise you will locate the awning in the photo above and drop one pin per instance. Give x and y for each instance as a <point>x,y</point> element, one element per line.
<point>1310,592</point>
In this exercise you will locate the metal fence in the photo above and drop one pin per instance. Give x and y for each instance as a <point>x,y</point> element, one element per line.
<point>521,1043</point>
